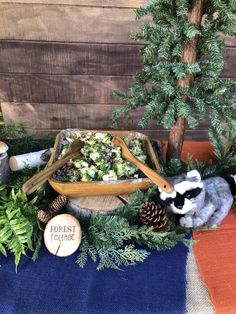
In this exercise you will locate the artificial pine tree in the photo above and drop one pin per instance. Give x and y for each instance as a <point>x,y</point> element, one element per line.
<point>182,61</point>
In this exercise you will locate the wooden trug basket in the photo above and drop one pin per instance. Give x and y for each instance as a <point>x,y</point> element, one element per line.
<point>96,188</point>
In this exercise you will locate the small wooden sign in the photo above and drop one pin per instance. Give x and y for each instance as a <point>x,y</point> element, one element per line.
<point>62,235</point>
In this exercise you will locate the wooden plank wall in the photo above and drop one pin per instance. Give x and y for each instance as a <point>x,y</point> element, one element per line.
<point>60,61</point>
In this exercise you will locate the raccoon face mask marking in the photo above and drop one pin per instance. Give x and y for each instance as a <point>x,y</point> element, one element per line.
<point>180,198</point>
<point>184,191</point>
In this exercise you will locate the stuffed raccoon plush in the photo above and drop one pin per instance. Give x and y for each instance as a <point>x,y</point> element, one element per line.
<point>200,201</point>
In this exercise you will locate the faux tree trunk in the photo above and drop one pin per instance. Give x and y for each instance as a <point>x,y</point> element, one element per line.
<point>176,134</point>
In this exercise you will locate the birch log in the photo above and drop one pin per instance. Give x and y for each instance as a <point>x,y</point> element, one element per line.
<point>4,162</point>
<point>29,160</point>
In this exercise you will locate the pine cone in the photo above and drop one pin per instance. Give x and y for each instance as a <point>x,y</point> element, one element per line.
<point>153,214</point>
<point>54,208</point>
<point>57,204</point>
<point>233,147</point>
<point>44,216</point>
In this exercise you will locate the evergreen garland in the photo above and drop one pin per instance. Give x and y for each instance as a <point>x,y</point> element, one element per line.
<point>111,241</point>
<point>226,161</point>
<point>115,240</point>
<point>223,164</point>
<point>155,87</point>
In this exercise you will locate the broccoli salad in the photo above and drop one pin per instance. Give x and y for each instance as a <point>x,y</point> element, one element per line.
<point>101,160</point>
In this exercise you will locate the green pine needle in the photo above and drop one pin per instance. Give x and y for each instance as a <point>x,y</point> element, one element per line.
<point>155,86</point>
<point>113,241</point>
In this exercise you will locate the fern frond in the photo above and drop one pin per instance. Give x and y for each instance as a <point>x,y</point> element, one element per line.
<point>18,226</point>
<point>3,250</point>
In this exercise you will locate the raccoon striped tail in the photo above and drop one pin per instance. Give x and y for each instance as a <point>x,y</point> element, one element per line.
<point>231,180</point>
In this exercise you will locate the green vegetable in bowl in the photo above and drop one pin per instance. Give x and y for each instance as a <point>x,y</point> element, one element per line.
<point>101,160</point>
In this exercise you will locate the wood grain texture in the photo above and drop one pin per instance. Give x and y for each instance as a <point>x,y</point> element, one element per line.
<point>62,88</point>
<point>229,41</point>
<point>35,182</point>
<point>26,21</point>
<point>60,116</point>
<point>149,172</point>
<point>54,53</point>
<point>230,63</point>
<point>190,135</point>
<point>66,23</point>
<point>87,205</point>
<point>67,58</point>
<point>96,3</point>
<point>62,235</point>
<point>96,188</point>
<point>79,59</point>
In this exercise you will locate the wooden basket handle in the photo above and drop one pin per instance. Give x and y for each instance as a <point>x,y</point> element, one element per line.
<point>161,182</point>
